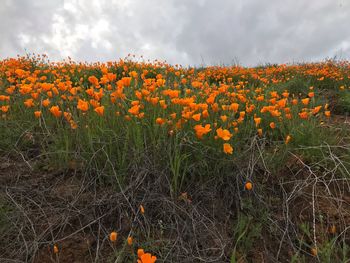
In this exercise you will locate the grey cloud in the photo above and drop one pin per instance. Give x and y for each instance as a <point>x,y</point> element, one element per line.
<point>179,31</point>
<point>24,20</point>
<point>261,31</point>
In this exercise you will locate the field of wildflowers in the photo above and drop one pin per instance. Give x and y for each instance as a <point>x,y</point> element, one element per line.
<point>158,136</point>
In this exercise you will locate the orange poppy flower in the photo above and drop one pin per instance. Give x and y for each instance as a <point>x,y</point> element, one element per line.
<point>90,92</point>
<point>154,101</point>
<point>29,103</point>
<point>5,108</point>
<point>160,121</point>
<point>223,118</point>
<point>305,101</point>
<point>228,148</point>
<point>73,124</point>
<point>257,121</point>
<point>35,95</point>
<point>282,103</point>
<point>303,115</point>
<point>205,114</point>
<point>145,257</point>
<point>140,252</point>
<point>37,114</point>
<point>82,105</point>
<point>316,110</point>
<point>223,134</point>
<point>4,98</point>
<point>196,117</point>
<point>285,94</point>
<point>126,81</point>
<point>202,130</point>
<point>134,110</point>
<point>100,110</point>
<point>294,101</point>
<point>55,110</point>
<point>45,103</point>
<point>93,80</point>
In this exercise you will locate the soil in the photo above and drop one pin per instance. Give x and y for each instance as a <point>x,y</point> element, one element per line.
<point>53,208</point>
<point>69,209</point>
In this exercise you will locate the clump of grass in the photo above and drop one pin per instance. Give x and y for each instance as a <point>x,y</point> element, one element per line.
<point>342,104</point>
<point>128,124</point>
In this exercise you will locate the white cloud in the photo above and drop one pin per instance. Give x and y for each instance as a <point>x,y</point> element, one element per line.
<point>179,31</point>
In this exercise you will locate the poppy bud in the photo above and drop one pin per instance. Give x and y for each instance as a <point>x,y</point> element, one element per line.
<point>129,241</point>
<point>55,249</point>
<point>248,186</point>
<point>113,236</point>
<point>142,209</point>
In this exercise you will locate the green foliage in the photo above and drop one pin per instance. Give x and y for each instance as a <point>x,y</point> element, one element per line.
<point>343,102</point>
<point>248,229</point>
<point>331,249</point>
<point>298,86</point>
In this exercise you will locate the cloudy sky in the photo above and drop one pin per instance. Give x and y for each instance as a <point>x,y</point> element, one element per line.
<point>189,32</point>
